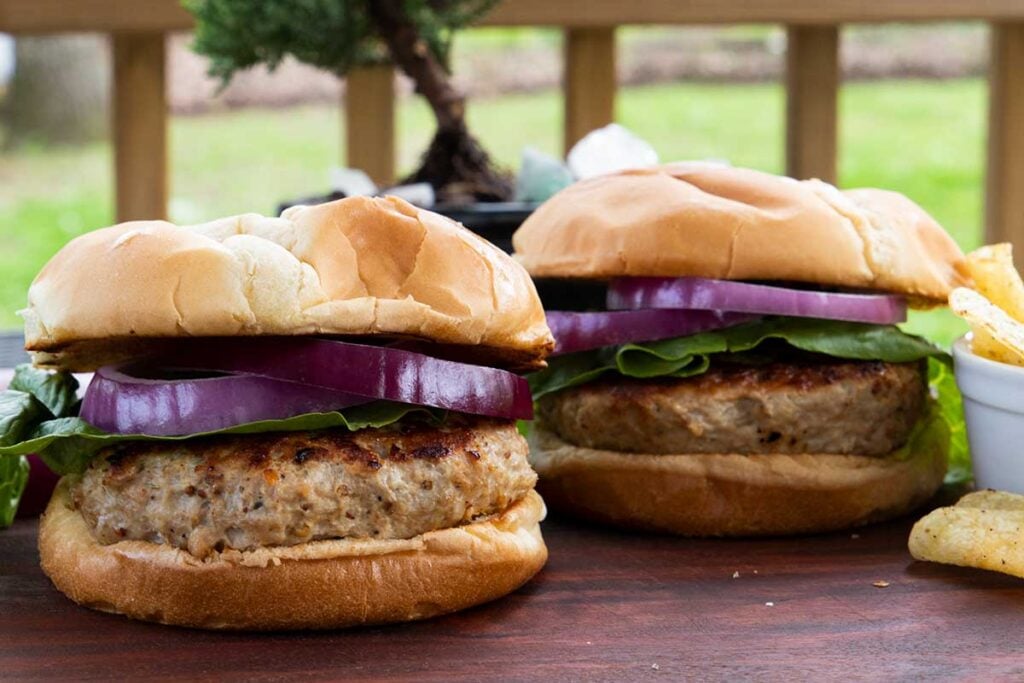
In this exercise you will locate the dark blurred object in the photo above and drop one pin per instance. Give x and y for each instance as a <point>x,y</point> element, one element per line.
<point>12,349</point>
<point>572,295</point>
<point>60,90</point>
<point>310,201</point>
<point>39,489</point>
<point>494,221</point>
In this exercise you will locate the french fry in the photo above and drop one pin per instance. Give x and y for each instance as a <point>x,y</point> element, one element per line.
<point>996,278</point>
<point>985,530</point>
<point>996,334</point>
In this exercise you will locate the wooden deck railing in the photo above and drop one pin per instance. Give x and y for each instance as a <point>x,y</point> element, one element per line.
<point>138,29</point>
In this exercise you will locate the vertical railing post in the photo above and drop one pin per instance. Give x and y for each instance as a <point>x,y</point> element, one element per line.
<point>812,89</point>
<point>140,126</point>
<point>370,121</point>
<point>590,81</point>
<point>1004,205</point>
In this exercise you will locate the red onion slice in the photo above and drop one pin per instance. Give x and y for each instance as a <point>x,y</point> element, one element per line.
<point>373,372</point>
<point>120,402</point>
<point>582,331</point>
<point>725,295</point>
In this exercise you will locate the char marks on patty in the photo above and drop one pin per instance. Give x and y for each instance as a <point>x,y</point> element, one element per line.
<point>247,491</point>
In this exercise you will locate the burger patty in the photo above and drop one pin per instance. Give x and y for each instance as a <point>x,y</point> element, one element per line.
<point>842,407</point>
<point>244,492</point>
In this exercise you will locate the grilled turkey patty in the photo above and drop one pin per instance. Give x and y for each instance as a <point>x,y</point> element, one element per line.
<point>243,492</point>
<point>842,407</point>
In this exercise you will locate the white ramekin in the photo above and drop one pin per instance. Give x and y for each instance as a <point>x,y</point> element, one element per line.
<point>994,408</point>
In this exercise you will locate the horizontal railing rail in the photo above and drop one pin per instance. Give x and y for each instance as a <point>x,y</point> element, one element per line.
<point>53,16</point>
<point>138,30</point>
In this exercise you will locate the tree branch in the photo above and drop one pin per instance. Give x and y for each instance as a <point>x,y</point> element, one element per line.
<point>412,54</point>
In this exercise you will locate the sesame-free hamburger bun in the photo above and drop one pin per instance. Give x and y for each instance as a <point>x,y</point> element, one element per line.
<point>383,490</point>
<point>778,443</point>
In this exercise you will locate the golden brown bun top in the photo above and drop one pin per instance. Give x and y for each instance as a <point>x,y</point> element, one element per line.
<point>709,220</point>
<point>357,266</point>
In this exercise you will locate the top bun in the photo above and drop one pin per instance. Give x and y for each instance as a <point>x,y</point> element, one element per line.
<point>358,266</point>
<point>715,221</point>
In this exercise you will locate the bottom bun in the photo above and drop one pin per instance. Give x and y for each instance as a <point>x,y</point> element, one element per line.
<point>730,495</point>
<point>317,585</point>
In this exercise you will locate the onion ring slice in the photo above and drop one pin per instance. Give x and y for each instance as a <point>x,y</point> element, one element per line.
<point>574,331</point>
<point>121,401</point>
<point>372,372</point>
<point>694,293</point>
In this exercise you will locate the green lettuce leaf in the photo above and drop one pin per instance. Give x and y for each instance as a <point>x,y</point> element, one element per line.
<point>942,427</point>
<point>67,444</point>
<point>950,409</point>
<point>689,356</point>
<point>58,391</point>
<point>13,477</point>
<point>20,412</point>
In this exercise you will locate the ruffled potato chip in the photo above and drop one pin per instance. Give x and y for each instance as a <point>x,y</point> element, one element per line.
<point>996,278</point>
<point>999,285</point>
<point>984,530</point>
<point>996,335</point>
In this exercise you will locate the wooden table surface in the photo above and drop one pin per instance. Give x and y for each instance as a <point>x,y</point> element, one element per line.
<point>609,606</point>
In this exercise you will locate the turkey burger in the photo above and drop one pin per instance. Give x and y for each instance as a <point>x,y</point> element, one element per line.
<point>728,357</point>
<point>296,422</point>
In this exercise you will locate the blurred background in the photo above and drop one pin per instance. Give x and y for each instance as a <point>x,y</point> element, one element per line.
<point>912,117</point>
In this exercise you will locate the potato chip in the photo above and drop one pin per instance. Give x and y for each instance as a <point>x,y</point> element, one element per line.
<point>984,344</point>
<point>984,530</point>
<point>996,334</point>
<point>996,278</point>
<point>990,499</point>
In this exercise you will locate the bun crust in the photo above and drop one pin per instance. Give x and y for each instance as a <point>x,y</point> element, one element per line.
<point>357,266</point>
<point>730,495</point>
<point>709,220</point>
<point>320,585</point>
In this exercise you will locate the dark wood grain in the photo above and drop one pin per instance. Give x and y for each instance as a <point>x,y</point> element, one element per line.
<point>609,606</point>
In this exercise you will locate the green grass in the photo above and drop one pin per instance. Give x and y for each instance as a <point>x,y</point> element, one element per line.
<point>923,138</point>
